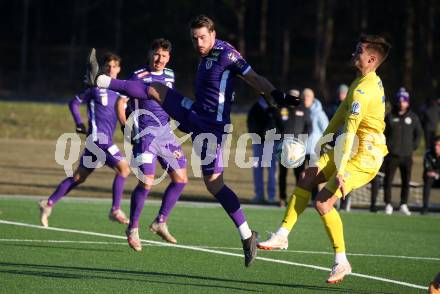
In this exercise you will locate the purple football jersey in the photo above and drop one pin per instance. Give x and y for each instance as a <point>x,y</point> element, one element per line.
<point>165,77</point>
<point>101,111</point>
<point>215,82</point>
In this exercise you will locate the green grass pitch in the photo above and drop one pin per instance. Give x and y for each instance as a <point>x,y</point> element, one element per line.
<point>385,249</point>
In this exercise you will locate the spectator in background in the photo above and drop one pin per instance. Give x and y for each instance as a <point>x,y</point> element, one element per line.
<point>431,172</point>
<point>319,123</point>
<point>261,118</point>
<point>403,132</point>
<point>429,117</point>
<point>292,121</point>
<point>342,94</point>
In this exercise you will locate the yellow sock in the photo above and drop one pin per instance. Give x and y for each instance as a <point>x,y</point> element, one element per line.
<point>335,231</point>
<point>299,201</point>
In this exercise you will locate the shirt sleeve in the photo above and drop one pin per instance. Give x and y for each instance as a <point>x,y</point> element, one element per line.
<point>357,111</point>
<point>75,103</point>
<point>236,63</point>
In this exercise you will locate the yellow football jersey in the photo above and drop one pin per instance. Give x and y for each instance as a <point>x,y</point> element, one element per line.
<point>362,115</point>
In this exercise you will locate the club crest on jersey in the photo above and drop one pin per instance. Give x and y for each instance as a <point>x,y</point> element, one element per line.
<point>360,91</point>
<point>208,64</point>
<point>408,120</point>
<point>355,108</point>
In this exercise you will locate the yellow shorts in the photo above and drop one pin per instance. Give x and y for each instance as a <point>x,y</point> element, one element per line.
<point>356,175</point>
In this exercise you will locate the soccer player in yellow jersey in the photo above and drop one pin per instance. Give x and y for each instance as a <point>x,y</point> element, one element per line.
<point>355,160</point>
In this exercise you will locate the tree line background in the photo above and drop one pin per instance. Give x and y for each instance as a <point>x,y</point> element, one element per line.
<point>299,44</point>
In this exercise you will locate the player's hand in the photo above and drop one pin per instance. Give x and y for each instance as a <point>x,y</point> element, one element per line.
<point>127,138</point>
<point>81,129</point>
<point>432,174</point>
<point>282,99</point>
<point>340,184</point>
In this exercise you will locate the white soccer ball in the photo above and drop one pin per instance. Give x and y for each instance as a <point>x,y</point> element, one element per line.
<point>291,152</point>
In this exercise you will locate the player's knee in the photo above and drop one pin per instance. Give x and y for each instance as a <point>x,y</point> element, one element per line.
<point>79,178</point>
<point>146,186</point>
<point>322,207</point>
<point>124,171</point>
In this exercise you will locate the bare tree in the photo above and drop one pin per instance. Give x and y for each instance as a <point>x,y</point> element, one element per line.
<point>324,41</point>
<point>24,44</point>
<point>118,25</point>
<point>409,46</point>
<point>263,27</point>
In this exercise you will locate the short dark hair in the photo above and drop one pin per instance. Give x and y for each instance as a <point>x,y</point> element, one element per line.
<point>110,56</point>
<point>202,21</point>
<point>161,43</point>
<point>377,44</point>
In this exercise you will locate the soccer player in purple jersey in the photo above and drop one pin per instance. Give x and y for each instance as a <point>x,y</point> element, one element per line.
<point>220,66</point>
<point>102,122</point>
<point>162,147</point>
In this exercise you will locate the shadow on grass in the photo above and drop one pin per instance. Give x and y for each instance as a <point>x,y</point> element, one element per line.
<point>60,247</point>
<point>41,270</point>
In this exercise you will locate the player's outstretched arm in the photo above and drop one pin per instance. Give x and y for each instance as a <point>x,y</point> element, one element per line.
<point>268,91</point>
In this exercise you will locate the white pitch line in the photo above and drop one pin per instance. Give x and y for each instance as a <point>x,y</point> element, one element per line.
<point>212,251</point>
<point>224,248</point>
<point>330,253</point>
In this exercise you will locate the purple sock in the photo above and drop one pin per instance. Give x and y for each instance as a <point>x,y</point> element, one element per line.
<point>118,191</point>
<point>169,200</point>
<point>135,89</point>
<point>63,188</point>
<point>137,204</point>
<point>231,205</point>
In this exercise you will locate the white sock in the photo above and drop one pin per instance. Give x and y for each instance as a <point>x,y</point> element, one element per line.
<point>245,231</point>
<point>341,258</point>
<point>283,232</point>
<point>103,81</point>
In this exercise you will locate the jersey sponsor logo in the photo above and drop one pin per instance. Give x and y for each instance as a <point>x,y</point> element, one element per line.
<point>208,64</point>
<point>396,119</point>
<point>355,108</point>
<point>140,70</point>
<point>299,113</point>
<point>408,120</point>
<point>148,80</point>
<point>169,80</point>
<point>360,91</point>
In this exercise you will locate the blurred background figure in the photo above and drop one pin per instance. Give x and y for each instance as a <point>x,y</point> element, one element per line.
<point>429,117</point>
<point>261,118</point>
<point>292,121</point>
<point>403,132</point>
<point>341,95</point>
<point>319,123</point>
<point>431,172</point>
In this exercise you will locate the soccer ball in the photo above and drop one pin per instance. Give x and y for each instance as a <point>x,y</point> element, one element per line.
<point>291,152</point>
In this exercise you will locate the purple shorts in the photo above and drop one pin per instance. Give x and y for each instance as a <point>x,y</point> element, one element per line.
<point>166,150</point>
<point>179,108</point>
<point>110,156</point>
